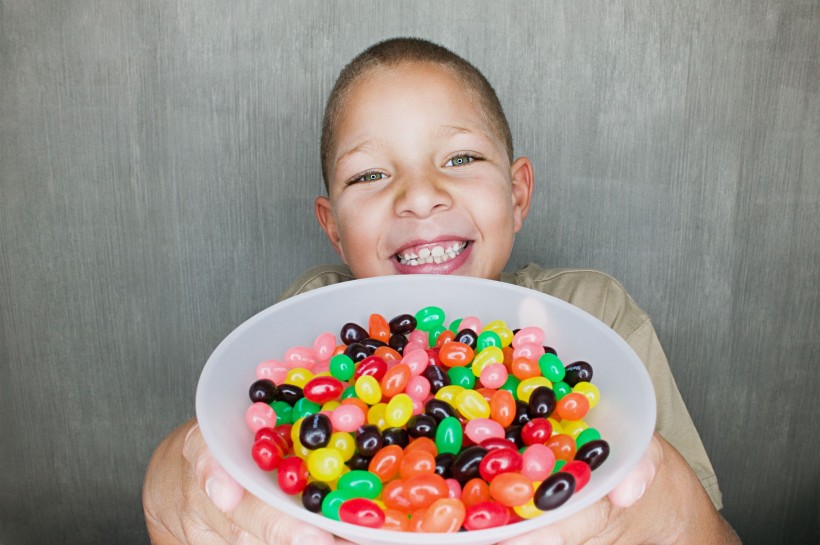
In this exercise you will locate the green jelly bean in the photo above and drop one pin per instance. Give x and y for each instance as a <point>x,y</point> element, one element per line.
<point>589,434</point>
<point>454,325</point>
<point>551,367</point>
<point>334,500</point>
<point>342,367</point>
<point>363,484</point>
<point>284,412</point>
<point>305,407</point>
<point>462,376</point>
<point>429,317</point>
<point>561,389</point>
<point>486,340</point>
<point>350,391</point>
<point>433,334</point>
<point>511,385</point>
<point>449,435</point>
<point>558,465</point>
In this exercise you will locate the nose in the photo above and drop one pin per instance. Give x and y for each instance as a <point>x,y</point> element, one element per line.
<point>421,195</point>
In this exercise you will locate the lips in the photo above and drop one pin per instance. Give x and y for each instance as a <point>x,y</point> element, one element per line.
<point>433,253</point>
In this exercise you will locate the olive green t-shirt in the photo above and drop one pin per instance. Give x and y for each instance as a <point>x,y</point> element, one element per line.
<point>602,296</point>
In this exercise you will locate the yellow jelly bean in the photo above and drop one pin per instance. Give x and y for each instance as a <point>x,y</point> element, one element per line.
<point>590,391</point>
<point>294,430</point>
<point>488,356</point>
<point>499,327</point>
<point>325,464</point>
<point>344,443</point>
<point>330,406</point>
<point>573,428</point>
<point>557,427</point>
<point>368,389</point>
<point>298,377</point>
<point>399,410</point>
<point>472,405</point>
<point>376,415</point>
<point>526,386</point>
<point>449,393</point>
<point>528,510</point>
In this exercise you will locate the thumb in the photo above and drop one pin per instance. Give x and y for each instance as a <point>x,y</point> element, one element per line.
<point>632,488</point>
<point>221,488</point>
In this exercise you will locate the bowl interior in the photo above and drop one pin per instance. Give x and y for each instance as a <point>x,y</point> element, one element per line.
<point>625,415</point>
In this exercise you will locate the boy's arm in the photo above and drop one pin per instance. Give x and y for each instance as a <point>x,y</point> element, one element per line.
<point>189,499</point>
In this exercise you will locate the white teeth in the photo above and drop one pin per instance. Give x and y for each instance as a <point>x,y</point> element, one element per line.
<point>426,255</point>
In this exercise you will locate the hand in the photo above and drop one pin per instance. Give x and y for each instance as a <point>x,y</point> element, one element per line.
<point>661,501</point>
<point>189,499</point>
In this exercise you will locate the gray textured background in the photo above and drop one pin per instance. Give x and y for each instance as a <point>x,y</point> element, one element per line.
<point>158,160</point>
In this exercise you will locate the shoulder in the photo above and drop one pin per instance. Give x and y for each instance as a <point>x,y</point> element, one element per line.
<point>593,291</point>
<point>317,277</point>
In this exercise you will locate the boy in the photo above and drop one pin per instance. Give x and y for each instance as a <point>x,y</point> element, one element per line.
<point>418,164</point>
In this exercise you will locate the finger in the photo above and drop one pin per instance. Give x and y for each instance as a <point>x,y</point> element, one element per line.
<point>632,488</point>
<point>221,488</point>
<point>580,528</point>
<point>274,527</point>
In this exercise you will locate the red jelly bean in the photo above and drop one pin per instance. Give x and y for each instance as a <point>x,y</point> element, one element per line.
<point>580,470</point>
<point>292,475</point>
<point>372,366</point>
<point>361,512</point>
<point>267,454</point>
<point>486,514</point>
<point>498,461</point>
<point>323,389</point>
<point>536,431</point>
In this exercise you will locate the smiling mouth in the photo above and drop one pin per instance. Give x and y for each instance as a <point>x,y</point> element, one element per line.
<point>434,253</point>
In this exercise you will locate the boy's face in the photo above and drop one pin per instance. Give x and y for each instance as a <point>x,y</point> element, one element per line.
<point>418,183</point>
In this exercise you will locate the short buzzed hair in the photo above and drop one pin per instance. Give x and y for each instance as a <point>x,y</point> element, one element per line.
<point>393,52</point>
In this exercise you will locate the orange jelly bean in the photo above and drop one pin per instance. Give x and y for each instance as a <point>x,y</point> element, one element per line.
<point>523,368</point>
<point>445,337</point>
<point>444,515</point>
<point>422,443</point>
<point>387,354</point>
<point>511,489</point>
<point>378,328</point>
<point>396,521</point>
<point>502,407</point>
<point>395,380</point>
<point>393,496</point>
<point>455,354</point>
<point>563,446</point>
<point>423,489</point>
<point>385,463</point>
<point>417,462</point>
<point>475,491</point>
<point>572,406</point>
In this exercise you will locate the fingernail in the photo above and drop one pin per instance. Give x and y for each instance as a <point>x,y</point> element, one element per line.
<point>305,539</point>
<point>220,493</point>
<point>636,491</point>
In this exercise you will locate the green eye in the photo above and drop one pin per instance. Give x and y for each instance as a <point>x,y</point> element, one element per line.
<point>460,160</point>
<point>370,177</point>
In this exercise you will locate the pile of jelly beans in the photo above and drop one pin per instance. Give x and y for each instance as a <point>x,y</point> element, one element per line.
<point>412,425</point>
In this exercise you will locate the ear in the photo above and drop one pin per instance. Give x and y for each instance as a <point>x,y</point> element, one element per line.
<point>522,186</point>
<point>324,214</point>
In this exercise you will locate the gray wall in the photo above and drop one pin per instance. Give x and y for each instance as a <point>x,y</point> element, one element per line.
<point>158,162</point>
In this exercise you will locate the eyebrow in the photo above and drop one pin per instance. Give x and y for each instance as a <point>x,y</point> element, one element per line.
<point>358,148</point>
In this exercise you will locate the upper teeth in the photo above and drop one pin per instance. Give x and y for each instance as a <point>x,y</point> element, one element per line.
<point>436,254</point>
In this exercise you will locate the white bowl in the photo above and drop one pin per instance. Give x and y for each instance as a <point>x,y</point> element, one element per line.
<point>625,415</point>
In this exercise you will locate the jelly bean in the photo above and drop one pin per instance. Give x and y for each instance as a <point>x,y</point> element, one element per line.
<point>418,338</point>
<point>522,413</point>
<point>394,497</point>
<point>449,435</point>
<point>465,466</point>
<point>437,378</point>
<point>498,461</point>
<point>323,346</point>
<point>554,491</point>
<point>502,407</point>
<point>523,368</point>
<point>513,434</point>
<point>290,393</point>
<point>444,515</point>
<point>542,402</point>
<point>395,380</point>
<point>467,337</point>
<point>556,426</point>
<point>273,370</point>
<point>357,352</point>
<point>448,393</point>
<point>422,443</point>
<point>511,385</point>
<point>416,360</point>
<point>333,502</point>
<point>480,429</point>
<point>402,324</point>
<point>422,426</point>
<point>580,470</point>
<point>573,428</point>
<point>536,431</point>
<point>444,461</point>
<point>399,410</point>
<point>416,519</point>
<point>323,389</point>
<point>488,356</point>
<point>342,367</point>
<point>527,511</point>
<point>470,404</point>
<point>439,409</point>
<point>418,388</point>
<point>528,335</point>
<point>587,435</point>
<point>593,453</point>
<point>475,491</point>
<point>378,328</point>
<point>305,407</point>
<point>270,434</point>
<point>572,406</point>
<point>580,371</point>
<point>300,357</point>
<point>461,376</point>
<point>455,354</point>
<point>344,443</point>
<point>537,462</point>
<point>486,514</point>
<point>263,391</point>
<point>373,366</point>
<point>471,322</point>
<point>416,462</point>
<point>429,317</point>
<point>267,454</point>
<point>376,415</point>
<point>511,489</point>
<point>313,495</point>
<point>358,461</point>
<point>284,412</point>
<point>352,333</point>
<point>494,375</point>
<point>529,351</point>
<point>561,389</point>
<point>361,512</point>
<point>562,446</point>
<point>453,485</point>
<point>325,464</point>
<point>292,475</point>
<point>551,367</point>
<point>368,389</point>
<point>315,430</point>
<point>590,391</point>
<point>526,387</point>
<point>347,418</point>
<point>434,334</point>
<point>368,440</point>
<point>260,415</point>
<point>398,342</point>
<point>363,484</point>
<point>298,376</point>
<point>396,436</point>
<point>422,489</point>
<point>385,463</point>
<point>487,339</point>
<point>387,353</point>
<point>493,443</point>
<point>395,521</point>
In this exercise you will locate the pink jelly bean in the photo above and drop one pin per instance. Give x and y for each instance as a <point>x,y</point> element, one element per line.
<point>418,336</point>
<point>528,335</point>
<point>324,345</point>
<point>300,357</point>
<point>494,375</point>
<point>418,406</point>
<point>470,322</point>
<point>538,461</point>
<point>453,488</point>
<point>412,346</point>
<point>530,351</point>
<point>260,415</point>
<point>322,366</point>
<point>347,418</point>
<point>273,370</point>
<point>416,360</point>
<point>417,387</point>
<point>480,429</point>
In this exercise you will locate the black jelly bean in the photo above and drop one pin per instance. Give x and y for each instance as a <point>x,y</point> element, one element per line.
<point>468,337</point>
<point>352,333</point>
<point>436,376</point>
<point>593,453</point>
<point>403,323</point>
<point>522,413</point>
<point>439,409</point>
<point>314,494</point>
<point>580,371</point>
<point>422,425</point>
<point>542,402</point>
<point>357,352</point>
<point>372,344</point>
<point>290,393</point>
<point>554,491</point>
<point>369,440</point>
<point>264,391</point>
<point>315,431</point>
<point>397,342</point>
<point>513,433</point>
<point>465,466</point>
<point>444,464</point>
<point>358,461</point>
<point>550,350</point>
<point>396,436</point>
